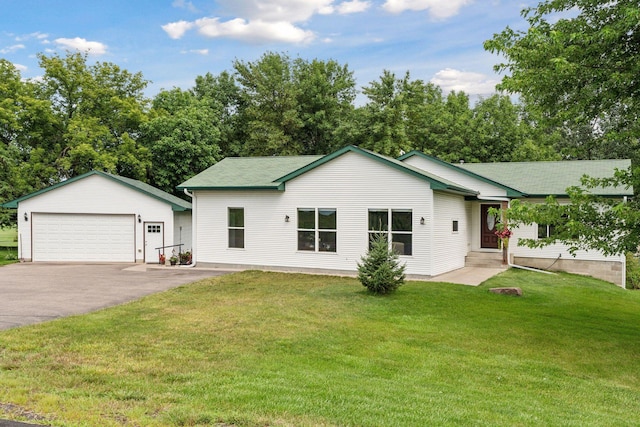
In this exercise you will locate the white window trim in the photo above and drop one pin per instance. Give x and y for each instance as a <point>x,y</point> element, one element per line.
<point>316,230</point>
<point>229,227</point>
<point>389,232</point>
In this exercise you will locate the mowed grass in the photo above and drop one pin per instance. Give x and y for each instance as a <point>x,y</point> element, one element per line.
<point>275,349</point>
<point>8,245</point>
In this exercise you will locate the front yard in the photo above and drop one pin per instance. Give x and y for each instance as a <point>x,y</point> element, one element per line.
<point>275,349</point>
<point>8,245</point>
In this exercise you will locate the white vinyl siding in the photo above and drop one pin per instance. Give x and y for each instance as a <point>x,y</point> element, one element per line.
<point>450,248</point>
<point>351,184</point>
<point>459,177</point>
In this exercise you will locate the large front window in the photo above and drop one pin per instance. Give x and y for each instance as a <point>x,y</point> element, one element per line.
<point>317,230</point>
<point>236,227</point>
<point>395,222</point>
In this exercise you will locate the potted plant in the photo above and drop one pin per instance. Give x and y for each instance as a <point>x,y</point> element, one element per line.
<point>185,258</point>
<point>162,259</point>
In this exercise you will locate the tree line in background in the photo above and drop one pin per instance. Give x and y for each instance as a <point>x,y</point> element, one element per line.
<point>80,116</point>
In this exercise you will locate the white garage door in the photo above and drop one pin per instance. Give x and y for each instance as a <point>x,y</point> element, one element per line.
<point>83,237</point>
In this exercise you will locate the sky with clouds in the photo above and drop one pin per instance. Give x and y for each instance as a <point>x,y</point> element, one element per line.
<point>171,42</point>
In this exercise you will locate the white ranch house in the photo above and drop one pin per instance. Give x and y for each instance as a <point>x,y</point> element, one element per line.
<point>316,213</point>
<point>311,214</point>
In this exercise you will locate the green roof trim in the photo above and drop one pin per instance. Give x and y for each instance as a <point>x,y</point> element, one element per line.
<point>247,173</point>
<point>435,182</point>
<point>541,179</point>
<point>176,203</point>
<point>511,192</point>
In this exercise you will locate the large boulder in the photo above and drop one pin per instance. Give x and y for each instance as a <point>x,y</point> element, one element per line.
<point>507,291</point>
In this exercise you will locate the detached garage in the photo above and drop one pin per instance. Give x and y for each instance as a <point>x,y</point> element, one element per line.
<point>100,217</point>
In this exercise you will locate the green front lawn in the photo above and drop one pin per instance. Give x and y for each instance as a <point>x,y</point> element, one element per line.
<point>300,350</point>
<point>8,255</point>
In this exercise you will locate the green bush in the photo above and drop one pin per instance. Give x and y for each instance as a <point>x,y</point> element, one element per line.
<point>633,271</point>
<point>380,271</point>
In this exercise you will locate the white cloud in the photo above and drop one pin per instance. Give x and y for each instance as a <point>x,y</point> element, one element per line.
<point>36,35</point>
<point>275,10</point>
<point>197,51</point>
<point>176,30</point>
<point>184,5</point>
<point>253,31</point>
<point>20,67</point>
<point>264,20</point>
<point>438,9</point>
<point>11,49</point>
<point>471,83</point>
<point>353,6</point>
<point>83,45</point>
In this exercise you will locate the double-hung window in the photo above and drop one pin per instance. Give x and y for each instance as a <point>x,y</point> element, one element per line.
<point>236,227</point>
<point>396,222</point>
<point>545,230</point>
<point>317,230</point>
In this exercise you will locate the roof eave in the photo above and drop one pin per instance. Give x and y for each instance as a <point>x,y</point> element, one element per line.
<point>511,192</point>
<point>276,186</point>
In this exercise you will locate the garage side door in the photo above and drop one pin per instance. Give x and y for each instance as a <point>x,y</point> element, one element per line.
<point>83,237</point>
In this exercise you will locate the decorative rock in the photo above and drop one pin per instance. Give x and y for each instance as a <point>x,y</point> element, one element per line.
<point>507,291</point>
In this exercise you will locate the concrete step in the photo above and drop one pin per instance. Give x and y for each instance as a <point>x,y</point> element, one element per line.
<point>484,259</point>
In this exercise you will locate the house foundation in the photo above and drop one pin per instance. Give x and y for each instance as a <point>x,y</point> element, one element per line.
<point>611,271</point>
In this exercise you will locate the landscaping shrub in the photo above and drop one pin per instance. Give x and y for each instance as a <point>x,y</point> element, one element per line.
<point>380,270</point>
<point>633,271</point>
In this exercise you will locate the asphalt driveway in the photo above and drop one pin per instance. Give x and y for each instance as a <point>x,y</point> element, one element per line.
<point>37,292</point>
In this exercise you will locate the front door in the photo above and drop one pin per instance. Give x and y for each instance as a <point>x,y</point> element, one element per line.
<point>488,238</point>
<point>153,238</point>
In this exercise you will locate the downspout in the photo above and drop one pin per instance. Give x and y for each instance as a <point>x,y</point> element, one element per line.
<point>194,227</point>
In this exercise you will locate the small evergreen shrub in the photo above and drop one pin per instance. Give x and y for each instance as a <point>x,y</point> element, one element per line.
<point>380,270</point>
<point>633,271</point>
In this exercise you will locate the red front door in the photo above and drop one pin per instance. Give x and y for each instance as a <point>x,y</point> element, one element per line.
<point>488,238</point>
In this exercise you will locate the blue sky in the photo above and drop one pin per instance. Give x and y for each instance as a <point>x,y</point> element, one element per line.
<point>171,42</point>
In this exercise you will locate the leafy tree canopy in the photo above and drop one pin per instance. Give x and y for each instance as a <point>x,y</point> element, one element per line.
<point>578,64</point>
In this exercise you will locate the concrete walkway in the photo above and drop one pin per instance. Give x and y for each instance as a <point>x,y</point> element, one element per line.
<point>472,276</point>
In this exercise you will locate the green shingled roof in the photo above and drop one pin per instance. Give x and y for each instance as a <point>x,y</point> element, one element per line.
<point>247,173</point>
<point>551,178</point>
<point>436,182</point>
<point>176,203</point>
<point>271,173</point>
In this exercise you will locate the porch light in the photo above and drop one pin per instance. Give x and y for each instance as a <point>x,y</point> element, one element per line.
<point>139,219</point>
<point>422,221</point>
<point>26,216</point>
<point>286,218</point>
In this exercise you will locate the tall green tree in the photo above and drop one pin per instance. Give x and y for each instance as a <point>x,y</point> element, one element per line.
<point>25,121</point>
<point>292,106</point>
<point>326,91</point>
<point>498,129</point>
<point>579,71</point>
<point>182,136</point>
<point>222,94</point>
<point>98,111</point>
<point>383,121</point>
<point>271,99</point>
